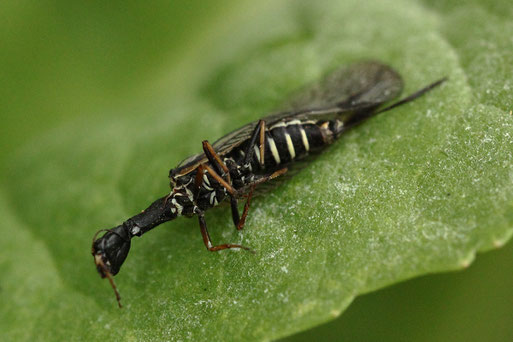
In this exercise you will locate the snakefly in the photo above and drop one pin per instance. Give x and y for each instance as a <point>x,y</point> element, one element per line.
<point>231,168</point>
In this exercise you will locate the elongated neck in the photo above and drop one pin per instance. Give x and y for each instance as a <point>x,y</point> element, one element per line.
<point>157,213</point>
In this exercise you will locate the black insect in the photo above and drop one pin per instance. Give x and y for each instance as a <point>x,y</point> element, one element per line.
<point>256,153</point>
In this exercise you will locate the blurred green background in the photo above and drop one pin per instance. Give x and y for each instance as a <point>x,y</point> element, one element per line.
<point>66,60</point>
<point>63,59</point>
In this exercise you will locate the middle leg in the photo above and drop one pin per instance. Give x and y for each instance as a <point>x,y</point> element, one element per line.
<point>240,223</point>
<point>257,134</point>
<point>208,241</point>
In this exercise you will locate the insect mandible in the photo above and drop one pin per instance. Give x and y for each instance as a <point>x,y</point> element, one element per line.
<point>231,168</point>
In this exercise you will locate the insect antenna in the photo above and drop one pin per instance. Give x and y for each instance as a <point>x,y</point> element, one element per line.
<point>413,96</point>
<point>116,292</point>
<point>109,276</point>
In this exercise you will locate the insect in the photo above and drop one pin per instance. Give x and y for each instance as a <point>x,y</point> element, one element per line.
<point>231,168</point>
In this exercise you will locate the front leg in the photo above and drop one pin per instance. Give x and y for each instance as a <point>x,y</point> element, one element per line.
<point>220,167</point>
<point>216,162</point>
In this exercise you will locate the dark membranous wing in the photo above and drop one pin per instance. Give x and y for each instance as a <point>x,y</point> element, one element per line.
<point>361,84</point>
<point>345,92</point>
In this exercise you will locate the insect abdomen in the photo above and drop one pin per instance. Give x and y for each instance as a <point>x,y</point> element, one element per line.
<point>292,140</point>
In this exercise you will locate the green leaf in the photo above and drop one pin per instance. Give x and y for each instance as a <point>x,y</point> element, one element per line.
<point>418,190</point>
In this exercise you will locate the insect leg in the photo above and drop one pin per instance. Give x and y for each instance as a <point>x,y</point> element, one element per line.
<point>240,222</point>
<point>235,211</point>
<point>220,166</point>
<point>259,131</point>
<point>220,180</point>
<point>198,181</point>
<point>208,241</point>
<point>267,178</point>
<point>262,142</point>
<point>215,160</point>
